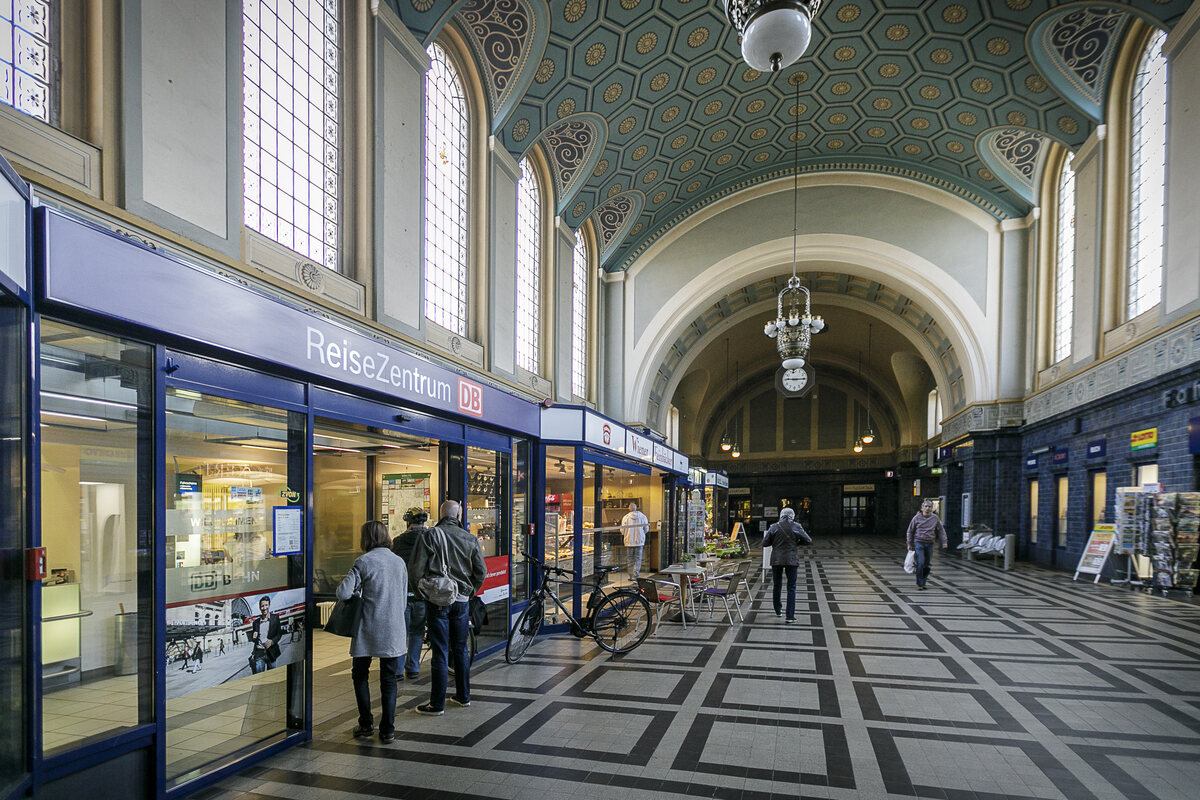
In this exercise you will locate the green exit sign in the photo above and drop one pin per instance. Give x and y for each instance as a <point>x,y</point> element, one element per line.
<point>936,471</point>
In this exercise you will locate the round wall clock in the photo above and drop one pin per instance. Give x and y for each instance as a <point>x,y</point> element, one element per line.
<point>795,382</point>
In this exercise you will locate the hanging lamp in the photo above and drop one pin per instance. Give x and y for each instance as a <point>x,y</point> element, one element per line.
<point>868,435</point>
<point>773,33</point>
<point>725,443</point>
<point>737,450</point>
<point>794,323</point>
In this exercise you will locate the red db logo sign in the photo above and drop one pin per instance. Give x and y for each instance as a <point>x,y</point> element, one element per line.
<point>607,434</point>
<point>470,398</point>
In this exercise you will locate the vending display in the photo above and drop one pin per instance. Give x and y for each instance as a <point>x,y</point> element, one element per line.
<point>1175,540</point>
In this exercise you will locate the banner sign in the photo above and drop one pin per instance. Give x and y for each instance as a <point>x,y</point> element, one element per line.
<point>1097,449</point>
<point>638,447</point>
<point>717,479</point>
<point>87,268</point>
<point>495,585</point>
<point>664,456</point>
<point>1143,440</point>
<point>1095,553</point>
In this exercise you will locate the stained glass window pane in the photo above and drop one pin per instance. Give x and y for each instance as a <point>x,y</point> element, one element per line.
<point>1147,179</point>
<point>579,317</point>
<point>446,173</point>
<point>529,259</point>
<point>290,47</point>
<point>1064,270</point>
<point>26,54</point>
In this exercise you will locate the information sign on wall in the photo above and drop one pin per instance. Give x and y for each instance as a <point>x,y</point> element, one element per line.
<point>1097,448</point>
<point>1099,545</point>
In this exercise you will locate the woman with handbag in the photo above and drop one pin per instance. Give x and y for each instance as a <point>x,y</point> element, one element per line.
<point>380,578</point>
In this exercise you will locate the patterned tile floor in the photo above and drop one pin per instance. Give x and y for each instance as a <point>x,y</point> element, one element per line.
<point>987,685</point>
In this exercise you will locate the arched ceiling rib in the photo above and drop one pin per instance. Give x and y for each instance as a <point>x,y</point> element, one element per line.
<point>895,307</point>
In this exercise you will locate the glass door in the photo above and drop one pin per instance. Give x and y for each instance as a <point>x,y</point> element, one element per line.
<point>487,517</point>
<point>96,398</point>
<point>236,644</point>
<point>14,456</point>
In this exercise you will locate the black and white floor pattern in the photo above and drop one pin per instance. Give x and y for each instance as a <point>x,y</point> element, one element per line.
<point>987,685</point>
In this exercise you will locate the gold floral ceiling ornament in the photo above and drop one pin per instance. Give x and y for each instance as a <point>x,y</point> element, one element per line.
<point>706,76</point>
<point>718,135</point>
<point>659,197</point>
<point>660,81</point>
<point>545,71</point>
<point>687,165</point>
<point>712,108</point>
<point>697,37</point>
<point>566,108</point>
<point>626,125</point>
<point>889,70</point>
<point>646,42</point>
<point>613,93</point>
<point>579,208</point>
<point>755,106</point>
<point>574,10</point>
<point>848,13</point>
<point>594,54</point>
<point>954,14</point>
<point>981,85</point>
<point>670,113</point>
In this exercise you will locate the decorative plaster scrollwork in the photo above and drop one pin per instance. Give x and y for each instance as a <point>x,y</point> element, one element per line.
<point>569,143</point>
<point>1082,38</point>
<point>499,31</point>
<point>612,217</point>
<point>1020,148</point>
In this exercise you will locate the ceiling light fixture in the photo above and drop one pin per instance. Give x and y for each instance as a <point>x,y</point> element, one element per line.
<point>794,330</point>
<point>868,435</point>
<point>773,33</point>
<point>858,442</point>
<point>737,376</point>
<point>725,443</point>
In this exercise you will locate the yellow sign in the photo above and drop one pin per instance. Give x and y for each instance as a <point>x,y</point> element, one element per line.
<point>1142,440</point>
<point>1095,553</point>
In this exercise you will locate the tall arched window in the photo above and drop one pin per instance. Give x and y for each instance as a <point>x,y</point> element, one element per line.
<point>529,267</point>
<point>1148,159</point>
<point>579,316</point>
<point>933,412</point>
<point>27,50</point>
<point>291,53</point>
<point>447,151</point>
<point>1064,263</point>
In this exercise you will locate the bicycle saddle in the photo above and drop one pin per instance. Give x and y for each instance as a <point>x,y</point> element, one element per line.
<point>609,568</point>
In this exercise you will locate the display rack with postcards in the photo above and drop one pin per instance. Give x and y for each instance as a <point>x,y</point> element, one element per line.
<point>1133,517</point>
<point>1175,540</point>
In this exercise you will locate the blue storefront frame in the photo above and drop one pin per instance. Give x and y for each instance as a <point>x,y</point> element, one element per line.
<point>15,281</point>
<point>82,275</point>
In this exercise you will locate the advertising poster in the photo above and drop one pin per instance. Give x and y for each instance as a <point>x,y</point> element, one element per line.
<point>226,638</point>
<point>495,585</point>
<point>1099,545</point>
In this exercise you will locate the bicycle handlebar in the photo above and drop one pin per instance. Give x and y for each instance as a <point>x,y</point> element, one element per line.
<point>546,567</point>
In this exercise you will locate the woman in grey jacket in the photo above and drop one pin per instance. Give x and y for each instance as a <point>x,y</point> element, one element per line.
<point>784,538</point>
<point>380,577</point>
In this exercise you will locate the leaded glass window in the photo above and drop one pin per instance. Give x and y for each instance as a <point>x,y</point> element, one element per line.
<point>1064,266</point>
<point>529,260</point>
<point>26,56</point>
<point>579,316</point>
<point>290,55</point>
<point>1147,179</point>
<point>446,175</point>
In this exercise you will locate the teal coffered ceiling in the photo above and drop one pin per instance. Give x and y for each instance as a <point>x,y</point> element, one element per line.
<point>961,95</point>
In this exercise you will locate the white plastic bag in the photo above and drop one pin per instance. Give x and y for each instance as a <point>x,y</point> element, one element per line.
<point>910,562</point>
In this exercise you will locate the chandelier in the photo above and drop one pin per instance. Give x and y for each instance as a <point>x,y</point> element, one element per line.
<point>773,33</point>
<point>794,324</point>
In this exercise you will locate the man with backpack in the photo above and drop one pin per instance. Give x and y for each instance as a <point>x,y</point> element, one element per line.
<point>447,570</point>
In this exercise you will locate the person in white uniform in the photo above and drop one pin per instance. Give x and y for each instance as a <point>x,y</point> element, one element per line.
<point>634,526</point>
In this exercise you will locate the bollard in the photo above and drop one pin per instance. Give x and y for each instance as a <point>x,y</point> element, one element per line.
<point>1010,551</point>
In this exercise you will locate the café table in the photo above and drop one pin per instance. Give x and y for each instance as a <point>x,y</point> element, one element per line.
<point>683,573</point>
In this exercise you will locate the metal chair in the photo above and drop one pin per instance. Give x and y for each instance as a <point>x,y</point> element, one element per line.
<point>730,589</point>
<point>660,600</point>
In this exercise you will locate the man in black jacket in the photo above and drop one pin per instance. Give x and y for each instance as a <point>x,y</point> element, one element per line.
<point>447,625</point>
<point>414,611</point>
<point>265,631</point>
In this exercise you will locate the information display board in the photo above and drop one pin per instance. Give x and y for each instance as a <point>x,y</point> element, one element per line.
<point>1099,545</point>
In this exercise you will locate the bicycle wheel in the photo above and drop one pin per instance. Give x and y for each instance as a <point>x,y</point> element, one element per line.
<point>622,621</point>
<point>523,631</point>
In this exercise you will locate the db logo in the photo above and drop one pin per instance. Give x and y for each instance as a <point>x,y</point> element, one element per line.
<point>607,435</point>
<point>470,398</point>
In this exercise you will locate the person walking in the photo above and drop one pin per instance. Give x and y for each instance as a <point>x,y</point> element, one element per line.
<point>784,540</point>
<point>448,547</point>
<point>380,578</point>
<point>414,610</point>
<point>924,529</point>
<point>634,526</point>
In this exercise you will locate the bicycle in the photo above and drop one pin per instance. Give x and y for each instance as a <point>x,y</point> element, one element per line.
<point>618,620</point>
<point>472,648</point>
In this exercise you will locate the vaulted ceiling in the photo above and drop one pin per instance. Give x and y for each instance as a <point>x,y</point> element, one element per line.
<point>647,112</point>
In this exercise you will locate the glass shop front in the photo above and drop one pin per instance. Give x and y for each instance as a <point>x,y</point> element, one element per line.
<point>589,496</point>
<point>200,491</point>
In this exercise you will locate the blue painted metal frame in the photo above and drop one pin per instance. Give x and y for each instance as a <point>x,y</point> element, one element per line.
<point>238,383</point>
<point>348,408</point>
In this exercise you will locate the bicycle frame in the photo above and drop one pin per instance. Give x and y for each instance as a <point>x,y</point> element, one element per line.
<point>594,600</point>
